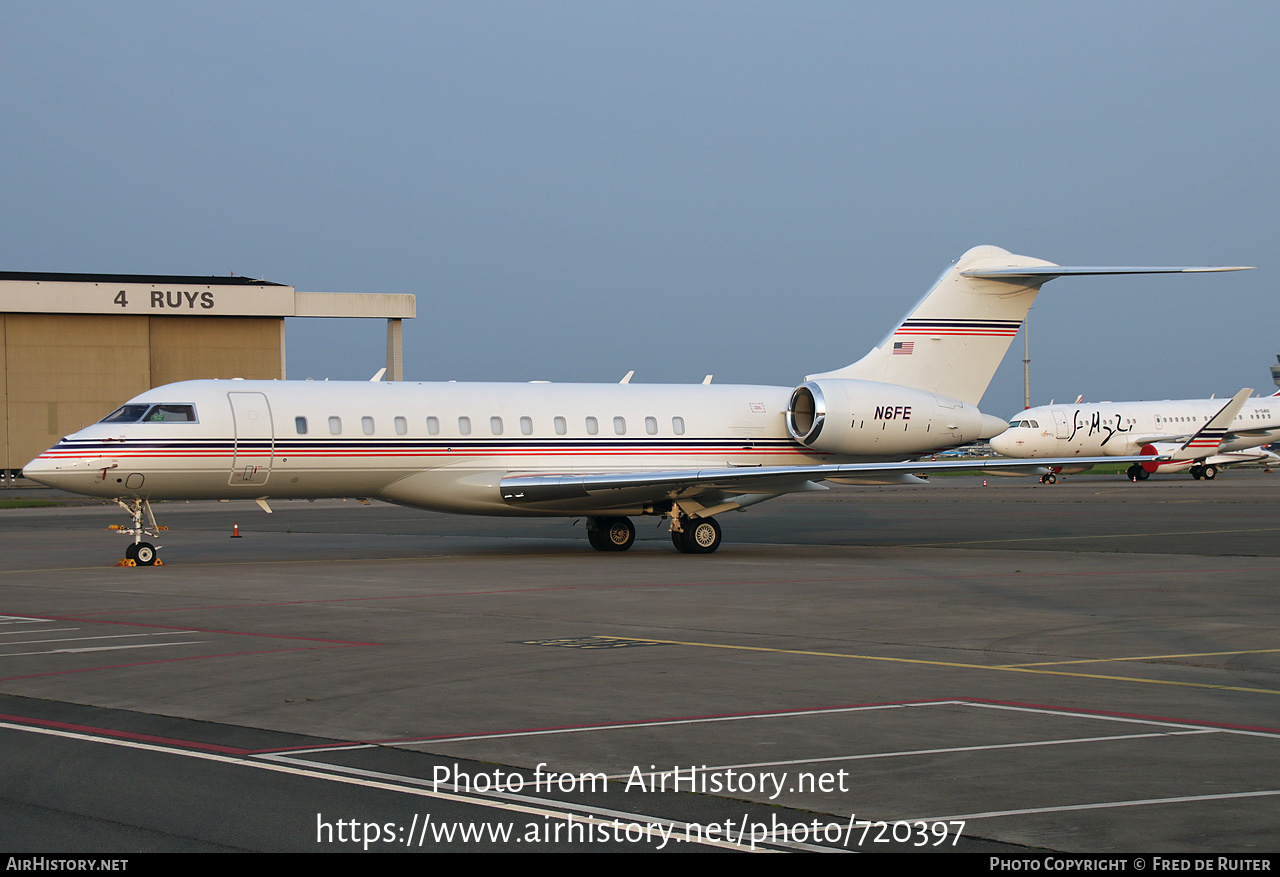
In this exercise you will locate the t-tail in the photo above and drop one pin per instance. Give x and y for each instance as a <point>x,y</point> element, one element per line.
<point>954,339</point>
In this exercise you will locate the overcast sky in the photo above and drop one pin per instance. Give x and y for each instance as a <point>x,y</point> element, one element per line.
<point>755,190</point>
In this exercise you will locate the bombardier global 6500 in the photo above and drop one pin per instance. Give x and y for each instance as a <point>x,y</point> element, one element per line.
<point>603,452</point>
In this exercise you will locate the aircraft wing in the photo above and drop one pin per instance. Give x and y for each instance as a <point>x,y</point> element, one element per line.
<point>611,489</point>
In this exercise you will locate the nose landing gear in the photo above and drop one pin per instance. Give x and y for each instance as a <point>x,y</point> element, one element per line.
<point>140,553</point>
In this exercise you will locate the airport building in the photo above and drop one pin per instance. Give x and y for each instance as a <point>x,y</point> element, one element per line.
<point>73,347</point>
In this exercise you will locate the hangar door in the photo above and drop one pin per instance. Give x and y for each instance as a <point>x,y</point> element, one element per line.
<point>255,438</point>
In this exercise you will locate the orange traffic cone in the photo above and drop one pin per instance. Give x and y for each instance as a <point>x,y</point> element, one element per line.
<point>235,531</point>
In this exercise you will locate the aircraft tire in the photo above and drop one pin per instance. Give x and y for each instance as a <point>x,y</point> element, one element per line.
<point>613,534</point>
<point>1051,478</point>
<point>593,536</point>
<point>144,554</point>
<point>700,536</point>
<point>1210,473</point>
<point>1143,474</point>
<point>131,552</point>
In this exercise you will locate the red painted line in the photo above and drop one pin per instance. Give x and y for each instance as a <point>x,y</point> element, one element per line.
<point>123,735</point>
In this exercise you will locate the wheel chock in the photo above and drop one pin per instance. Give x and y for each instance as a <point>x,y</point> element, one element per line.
<point>126,562</point>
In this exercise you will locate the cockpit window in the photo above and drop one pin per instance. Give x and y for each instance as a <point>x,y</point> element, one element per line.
<point>125,414</point>
<point>171,414</point>
<point>1014,424</point>
<point>165,413</point>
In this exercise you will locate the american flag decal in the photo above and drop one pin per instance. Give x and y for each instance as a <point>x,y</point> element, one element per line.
<point>903,348</point>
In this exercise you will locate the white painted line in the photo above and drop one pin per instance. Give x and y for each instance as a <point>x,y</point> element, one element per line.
<point>1105,805</point>
<point>910,752</point>
<point>1134,720</point>
<point>49,630</point>
<point>103,649</point>
<point>383,785</point>
<point>76,639</point>
<point>20,619</point>
<point>514,796</point>
<point>625,726</point>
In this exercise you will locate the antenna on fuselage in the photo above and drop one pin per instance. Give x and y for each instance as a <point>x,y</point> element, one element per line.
<point>707,379</point>
<point>626,379</point>
<point>378,376</point>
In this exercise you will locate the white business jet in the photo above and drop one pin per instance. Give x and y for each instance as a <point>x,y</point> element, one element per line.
<point>1197,435</point>
<point>605,452</point>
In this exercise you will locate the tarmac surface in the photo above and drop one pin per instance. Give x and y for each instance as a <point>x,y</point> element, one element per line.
<point>1085,667</point>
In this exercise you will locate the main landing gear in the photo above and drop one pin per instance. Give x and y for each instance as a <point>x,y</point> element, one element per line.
<point>140,553</point>
<point>1137,473</point>
<point>689,535</point>
<point>696,536</point>
<point>1208,473</point>
<point>610,534</point>
<point>1049,478</point>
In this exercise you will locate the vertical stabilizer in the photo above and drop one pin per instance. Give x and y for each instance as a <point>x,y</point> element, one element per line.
<point>954,339</point>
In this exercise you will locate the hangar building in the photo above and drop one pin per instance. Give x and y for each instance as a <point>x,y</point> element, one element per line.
<point>73,347</point>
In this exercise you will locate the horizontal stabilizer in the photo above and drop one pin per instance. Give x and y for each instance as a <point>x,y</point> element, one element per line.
<point>1048,272</point>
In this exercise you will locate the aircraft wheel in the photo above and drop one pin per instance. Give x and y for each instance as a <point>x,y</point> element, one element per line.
<point>1210,473</point>
<point>611,534</point>
<point>1051,478</point>
<point>144,554</point>
<point>1143,474</point>
<point>594,537</point>
<point>701,536</point>
<point>1196,472</point>
<point>131,552</point>
<point>1132,472</point>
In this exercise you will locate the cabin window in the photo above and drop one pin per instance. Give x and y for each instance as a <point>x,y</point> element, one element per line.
<point>526,426</point>
<point>651,425</point>
<point>593,426</point>
<point>402,426</point>
<point>620,425</point>
<point>433,425</point>
<point>562,426</point>
<point>464,426</point>
<point>335,426</point>
<point>677,425</point>
<point>495,425</point>
<point>300,424</point>
<point>366,424</point>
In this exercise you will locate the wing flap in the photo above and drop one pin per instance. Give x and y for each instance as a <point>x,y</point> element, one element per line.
<point>609,489</point>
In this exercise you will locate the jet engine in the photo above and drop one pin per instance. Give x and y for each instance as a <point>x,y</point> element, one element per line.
<point>866,418</point>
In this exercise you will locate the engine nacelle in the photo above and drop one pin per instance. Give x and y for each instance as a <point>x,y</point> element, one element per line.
<point>866,418</point>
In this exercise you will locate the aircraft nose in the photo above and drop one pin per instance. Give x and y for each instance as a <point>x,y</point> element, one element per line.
<point>44,471</point>
<point>1004,445</point>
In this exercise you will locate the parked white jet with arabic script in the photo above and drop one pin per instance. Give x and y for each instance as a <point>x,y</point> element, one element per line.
<point>1198,435</point>
<point>599,451</point>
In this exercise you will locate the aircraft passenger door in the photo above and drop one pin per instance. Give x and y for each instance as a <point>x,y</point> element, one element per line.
<point>1061,423</point>
<point>255,438</point>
